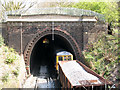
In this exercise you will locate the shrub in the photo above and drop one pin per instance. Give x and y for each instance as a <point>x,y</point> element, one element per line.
<point>5,77</point>
<point>15,72</point>
<point>12,50</point>
<point>10,58</point>
<point>5,48</point>
<point>103,54</point>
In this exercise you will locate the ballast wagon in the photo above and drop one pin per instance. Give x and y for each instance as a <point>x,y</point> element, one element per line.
<point>74,74</point>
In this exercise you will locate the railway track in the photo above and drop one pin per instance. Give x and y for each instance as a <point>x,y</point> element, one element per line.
<point>45,79</point>
<point>72,74</point>
<point>47,83</point>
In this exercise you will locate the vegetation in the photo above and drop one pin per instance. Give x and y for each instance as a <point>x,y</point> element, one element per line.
<point>9,6</point>
<point>9,66</point>
<point>9,59</point>
<point>15,5</point>
<point>5,77</point>
<point>103,54</point>
<point>12,5</point>
<point>108,9</point>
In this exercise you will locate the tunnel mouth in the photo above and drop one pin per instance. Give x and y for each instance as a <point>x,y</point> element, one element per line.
<point>43,54</point>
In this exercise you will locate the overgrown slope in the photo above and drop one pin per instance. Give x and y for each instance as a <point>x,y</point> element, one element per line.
<point>103,56</point>
<point>9,67</point>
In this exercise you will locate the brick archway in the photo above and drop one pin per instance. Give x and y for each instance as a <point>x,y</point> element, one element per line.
<point>62,33</point>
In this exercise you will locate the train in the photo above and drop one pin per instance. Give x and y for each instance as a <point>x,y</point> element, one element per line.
<point>63,56</point>
<point>73,74</point>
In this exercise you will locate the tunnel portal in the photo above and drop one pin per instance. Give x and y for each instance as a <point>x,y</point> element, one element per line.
<point>44,53</point>
<point>73,30</point>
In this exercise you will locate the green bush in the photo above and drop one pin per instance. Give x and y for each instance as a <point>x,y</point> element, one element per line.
<point>108,9</point>
<point>12,50</point>
<point>15,72</point>
<point>1,40</point>
<point>5,77</point>
<point>103,54</point>
<point>10,58</point>
<point>6,49</point>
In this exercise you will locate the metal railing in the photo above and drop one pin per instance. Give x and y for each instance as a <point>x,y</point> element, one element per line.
<point>58,10</point>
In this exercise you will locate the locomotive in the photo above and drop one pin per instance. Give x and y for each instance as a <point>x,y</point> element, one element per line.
<point>63,56</point>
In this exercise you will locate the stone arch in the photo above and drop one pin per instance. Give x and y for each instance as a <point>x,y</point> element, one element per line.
<point>62,33</point>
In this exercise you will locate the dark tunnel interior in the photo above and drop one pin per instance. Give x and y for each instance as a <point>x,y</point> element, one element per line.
<point>44,53</point>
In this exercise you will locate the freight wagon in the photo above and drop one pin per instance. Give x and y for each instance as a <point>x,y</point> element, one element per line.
<point>74,74</point>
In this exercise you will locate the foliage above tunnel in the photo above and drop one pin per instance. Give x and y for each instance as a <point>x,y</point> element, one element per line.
<point>108,9</point>
<point>11,5</point>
